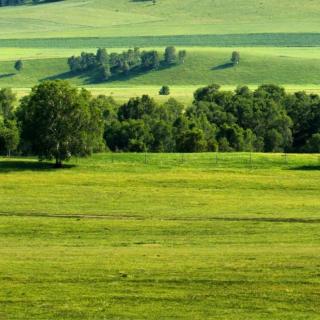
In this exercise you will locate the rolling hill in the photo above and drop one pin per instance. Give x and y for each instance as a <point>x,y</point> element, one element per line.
<point>270,35</point>
<point>91,18</point>
<point>225,236</point>
<point>203,65</point>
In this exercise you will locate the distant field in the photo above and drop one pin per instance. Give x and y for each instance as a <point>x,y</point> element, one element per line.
<point>291,67</point>
<point>105,18</point>
<point>205,40</point>
<point>183,93</point>
<point>177,236</point>
<point>277,40</point>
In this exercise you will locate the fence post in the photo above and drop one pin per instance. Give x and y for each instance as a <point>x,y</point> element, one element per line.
<point>145,157</point>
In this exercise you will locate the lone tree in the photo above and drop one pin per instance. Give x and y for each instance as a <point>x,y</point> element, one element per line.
<point>18,65</point>
<point>58,122</point>
<point>170,55</point>
<point>235,58</point>
<point>164,91</point>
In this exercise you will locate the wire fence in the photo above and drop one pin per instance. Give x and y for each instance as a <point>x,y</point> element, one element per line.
<point>219,160</point>
<point>213,160</point>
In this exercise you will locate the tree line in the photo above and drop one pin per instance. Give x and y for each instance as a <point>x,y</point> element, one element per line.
<point>133,60</point>
<point>264,120</point>
<point>57,121</point>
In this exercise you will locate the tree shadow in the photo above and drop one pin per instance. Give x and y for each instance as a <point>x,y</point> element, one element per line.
<point>224,66</point>
<point>7,75</point>
<point>307,168</point>
<point>7,166</point>
<point>60,76</point>
<point>89,77</point>
<point>44,2</point>
<point>94,76</point>
<point>134,73</point>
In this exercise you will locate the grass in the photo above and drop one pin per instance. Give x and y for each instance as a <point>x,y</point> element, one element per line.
<point>166,236</point>
<point>204,40</point>
<point>93,18</point>
<point>177,236</point>
<point>183,94</point>
<point>281,66</point>
<point>277,40</point>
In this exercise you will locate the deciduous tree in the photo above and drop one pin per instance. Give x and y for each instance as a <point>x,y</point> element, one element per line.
<point>59,122</point>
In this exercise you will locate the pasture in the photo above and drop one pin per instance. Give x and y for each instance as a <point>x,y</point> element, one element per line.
<point>281,66</point>
<point>183,236</point>
<point>277,40</point>
<point>103,18</point>
<point>162,236</point>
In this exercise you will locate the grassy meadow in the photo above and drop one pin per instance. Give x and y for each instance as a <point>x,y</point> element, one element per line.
<point>162,236</point>
<point>92,18</point>
<point>282,66</point>
<point>186,40</point>
<point>181,236</point>
<point>277,40</point>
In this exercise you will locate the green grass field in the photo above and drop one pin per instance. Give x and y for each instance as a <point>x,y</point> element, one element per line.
<point>277,41</point>
<point>294,68</point>
<point>124,236</point>
<point>162,236</point>
<point>206,40</point>
<point>92,18</point>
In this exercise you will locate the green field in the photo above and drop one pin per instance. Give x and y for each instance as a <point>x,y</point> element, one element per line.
<point>282,66</point>
<point>129,236</point>
<point>277,40</point>
<point>92,18</point>
<point>162,236</point>
<point>206,40</point>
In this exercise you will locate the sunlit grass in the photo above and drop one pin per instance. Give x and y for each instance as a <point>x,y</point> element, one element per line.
<point>92,18</point>
<point>193,236</point>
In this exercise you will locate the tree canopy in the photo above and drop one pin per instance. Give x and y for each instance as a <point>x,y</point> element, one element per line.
<point>106,66</point>
<point>58,122</point>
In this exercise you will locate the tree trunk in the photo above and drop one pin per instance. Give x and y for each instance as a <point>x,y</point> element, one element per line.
<point>58,163</point>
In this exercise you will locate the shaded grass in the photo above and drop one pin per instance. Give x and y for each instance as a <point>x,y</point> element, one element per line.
<point>9,166</point>
<point>308,168</point>
<point>206,40</point>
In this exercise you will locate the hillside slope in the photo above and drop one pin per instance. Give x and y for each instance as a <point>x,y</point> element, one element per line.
<point>203,66</point>
<point>73,18</point>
